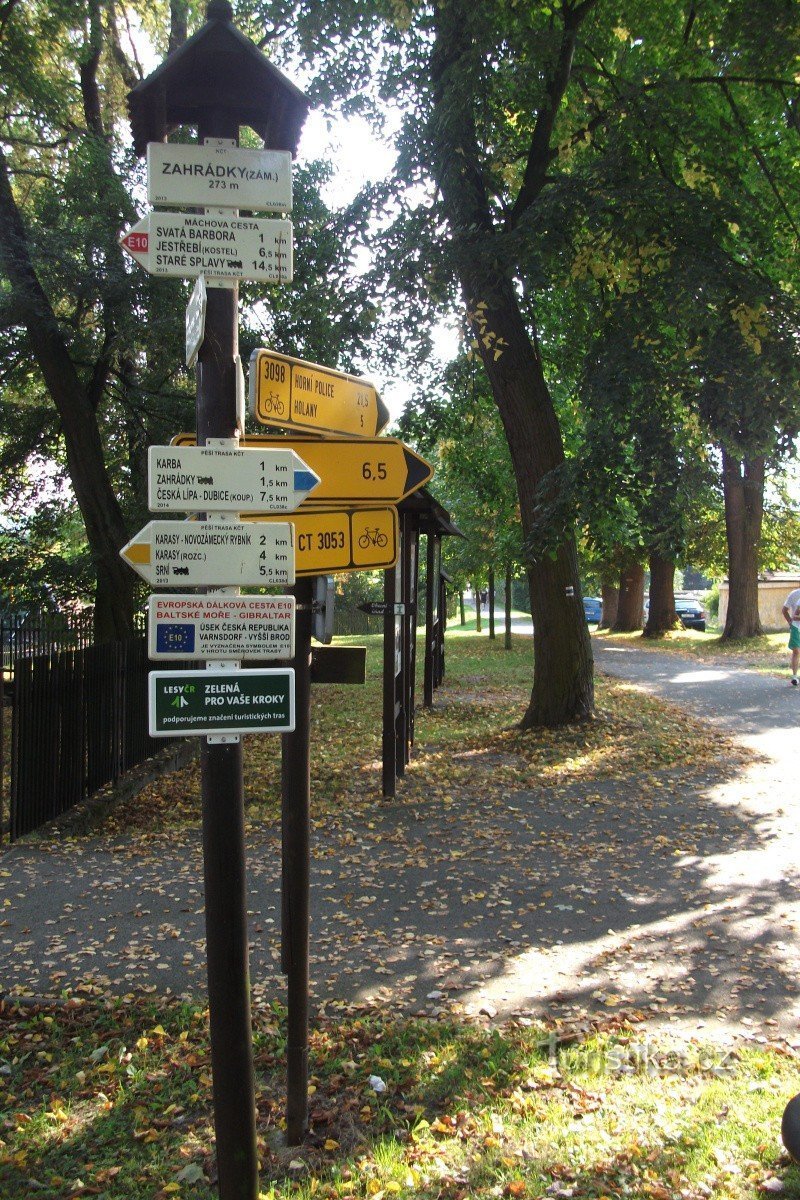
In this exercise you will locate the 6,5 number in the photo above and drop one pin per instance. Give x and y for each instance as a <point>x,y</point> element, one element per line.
<point>374,470</point>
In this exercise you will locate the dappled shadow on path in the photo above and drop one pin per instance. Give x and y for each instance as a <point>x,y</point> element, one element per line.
<point>659,894</point>
<point>568,902</point>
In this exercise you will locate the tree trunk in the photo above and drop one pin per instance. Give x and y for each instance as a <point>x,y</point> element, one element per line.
<point>610,596</point>
<point>477,592</point>
<point>178,20</point>
<point>563,686</point>
<point>105,527</point>
<point>630,610</point>
<point>461,607</point>
<point>491,602</point>
<point>507,641</point>
<point>743,488</point>
<point>661,614</point>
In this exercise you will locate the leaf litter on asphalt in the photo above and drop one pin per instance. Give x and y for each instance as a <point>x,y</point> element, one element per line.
<point>470,766</point>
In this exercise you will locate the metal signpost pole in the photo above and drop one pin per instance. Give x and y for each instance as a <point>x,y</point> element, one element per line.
<point>430,584</point>
<point>296,862</point>
<point>411,600</point>
<point>222,790</point>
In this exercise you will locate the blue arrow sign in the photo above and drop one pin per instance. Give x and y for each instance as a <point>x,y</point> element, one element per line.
<point>225,478</point>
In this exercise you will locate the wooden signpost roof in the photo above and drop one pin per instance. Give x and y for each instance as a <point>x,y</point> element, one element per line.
<point>220,62</point>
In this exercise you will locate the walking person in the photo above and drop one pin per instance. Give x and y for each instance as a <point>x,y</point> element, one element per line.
<point>791,611</point>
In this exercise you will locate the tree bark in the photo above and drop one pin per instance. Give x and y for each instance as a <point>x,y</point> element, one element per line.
<point>476,589</point>
<point>610,596</point>
<point>743,488</point>
<point>178,22</point>
<point>563,686</point>
<point>490,593</point>
<point>461,607</point>
<point>630,610</point>
<point>105,527</point>
<point>661,614</point>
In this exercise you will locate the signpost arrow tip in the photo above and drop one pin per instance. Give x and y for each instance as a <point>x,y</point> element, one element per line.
<point>305,480</point>
<point>418,471</point>
<point>137,554</point>
<point>383,415</point>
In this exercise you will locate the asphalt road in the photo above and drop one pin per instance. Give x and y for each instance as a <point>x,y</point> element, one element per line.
<point>763,708</point>
<point>675,901</point>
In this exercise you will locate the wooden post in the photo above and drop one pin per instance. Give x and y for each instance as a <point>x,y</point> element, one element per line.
<point>222,790</point>
<point>389,748</point>
<point>507,643</point>
<point>430,591</point>
<point>296,819</point>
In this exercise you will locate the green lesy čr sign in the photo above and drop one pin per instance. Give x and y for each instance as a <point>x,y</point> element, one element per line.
<point>204,703</point>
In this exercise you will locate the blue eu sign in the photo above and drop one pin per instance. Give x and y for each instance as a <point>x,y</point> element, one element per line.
<point>174,638</point>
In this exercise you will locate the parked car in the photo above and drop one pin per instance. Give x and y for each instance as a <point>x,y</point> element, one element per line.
<point>691,613</point>
<point>593,608</point>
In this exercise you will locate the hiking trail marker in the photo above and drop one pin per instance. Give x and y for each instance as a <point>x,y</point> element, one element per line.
<point>197,553</point>
<point>217,82</point>
<point>220,627</point>
<point>222,478</point>
<point>293,394</point>
<point>209,175</point>
<point>196,320</point>
<point>217,245</point>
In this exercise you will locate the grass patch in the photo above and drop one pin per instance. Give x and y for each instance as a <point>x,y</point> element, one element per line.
<point>113,1099</point>
<point>469,738</point>
<point>456,629</point>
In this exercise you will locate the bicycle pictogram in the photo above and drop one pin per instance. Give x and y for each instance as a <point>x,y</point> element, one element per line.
<point>372,537</point>
<point>272,403</point>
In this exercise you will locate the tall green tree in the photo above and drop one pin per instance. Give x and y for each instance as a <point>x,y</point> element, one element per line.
<point>521,115</point>
<point>454,422</point>
<point>55,126</point>
<point>685,209</point>
<point>92,347</point>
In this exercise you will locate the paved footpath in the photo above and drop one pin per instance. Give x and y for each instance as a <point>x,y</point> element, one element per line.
<point>680,903</point>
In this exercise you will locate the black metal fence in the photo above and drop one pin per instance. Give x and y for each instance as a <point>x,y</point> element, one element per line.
<point>78,720</point>
<point>349,622</point>
<point>25,634</point>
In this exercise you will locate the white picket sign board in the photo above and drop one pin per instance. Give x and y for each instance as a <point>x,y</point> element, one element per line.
<point>218,175</point>
<point>217,245</point>
<point>205,553</point>
<point>211,479</point>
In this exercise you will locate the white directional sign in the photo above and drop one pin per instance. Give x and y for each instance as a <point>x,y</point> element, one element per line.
<point>196,320</point>
<point>185,245</point>
<point>205,478</point>
<point>218,627</point>
<point>206,175</point>
<point>193,553</point>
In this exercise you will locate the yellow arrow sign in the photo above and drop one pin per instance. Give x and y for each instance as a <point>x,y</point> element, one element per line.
<point>351,470</point>
<point>330,541</point>
<point>292,394</point>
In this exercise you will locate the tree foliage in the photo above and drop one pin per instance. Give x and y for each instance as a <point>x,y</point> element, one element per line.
<point>92,365</point>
